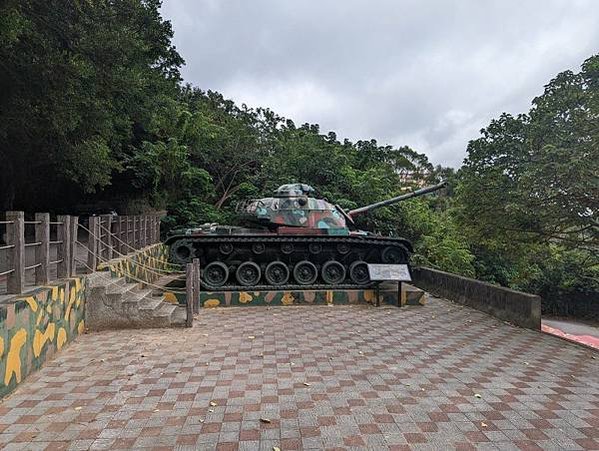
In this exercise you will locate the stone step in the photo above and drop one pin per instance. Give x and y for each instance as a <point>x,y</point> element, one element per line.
<point>179,316</point>
<point>163,281</point>
<point>116,290</point>
<point>135,297</point>
<point>165,310</point>
<point>123,304</point>
<point>103,279</point>
<point>150,303</point>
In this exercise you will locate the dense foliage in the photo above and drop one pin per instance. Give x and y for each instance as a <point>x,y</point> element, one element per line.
<point>93,111</point>
<point>528,196</point>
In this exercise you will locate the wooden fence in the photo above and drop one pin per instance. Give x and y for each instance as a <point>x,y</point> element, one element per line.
<point>65,247</point>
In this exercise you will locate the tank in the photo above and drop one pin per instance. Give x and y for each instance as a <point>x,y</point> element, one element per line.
<point>288,241</point>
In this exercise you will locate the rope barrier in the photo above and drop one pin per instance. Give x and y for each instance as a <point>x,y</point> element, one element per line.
<point>132,248</point>
<point>99,238</point>
<point>131,276</point>
<point>153,269</point>
<point>107,262</point>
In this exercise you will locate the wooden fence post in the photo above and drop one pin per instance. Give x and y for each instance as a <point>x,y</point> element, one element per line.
<point>15,236</point>
<point>117,236</point>
<point>42,252</point>
<point>74,223</point>
<point>130,233</point>
<point>64,249</point>
<point>143,229</point>
<point>123,235</point>
<point>189,291</point>
<point>140,233</point>
<point>108,231</point>
<point>98,234</point>
<point>99,239</point>
<point>196,294</point>
<point>146,223</point>
<point>135,239</point>
<point>157,231</point>
<point>153,229</point>
<point>92,243</point>
<point>149,240</point>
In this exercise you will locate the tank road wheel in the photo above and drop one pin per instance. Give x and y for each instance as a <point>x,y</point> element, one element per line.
<point>248,274</point>
<point>358,273</point>
<point>315,248</point>
<point>394,255</point>
<point>333,272</point>
<point>276,273</point>
<point>225,248</point>
<point>182,251</point>
<point>305,273</point>
<point>258,248</point>
<point>343,248</point>
<point>216,274</point>
<point>287,248</point>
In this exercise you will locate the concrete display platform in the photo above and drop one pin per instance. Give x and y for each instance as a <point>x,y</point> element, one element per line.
<point>439,376</point>
<point>388,294</point>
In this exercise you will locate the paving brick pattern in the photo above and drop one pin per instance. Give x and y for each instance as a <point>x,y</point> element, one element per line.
<point>344,377</point>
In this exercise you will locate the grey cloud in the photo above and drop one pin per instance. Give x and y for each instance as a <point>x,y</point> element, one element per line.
<point>428,74</point>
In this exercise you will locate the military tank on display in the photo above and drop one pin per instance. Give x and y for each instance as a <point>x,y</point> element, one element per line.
<point>291,240</point>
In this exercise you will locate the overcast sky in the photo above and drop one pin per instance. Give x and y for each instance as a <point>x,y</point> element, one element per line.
<point>428,74</point>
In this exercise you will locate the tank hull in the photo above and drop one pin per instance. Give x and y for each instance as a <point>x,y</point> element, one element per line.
<point>270,260</point>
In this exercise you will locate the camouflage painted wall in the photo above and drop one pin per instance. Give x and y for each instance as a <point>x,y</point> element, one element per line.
<point>292,297</point>
<point>141,265</point>
<point>410,295</point>
<point>35,326</point>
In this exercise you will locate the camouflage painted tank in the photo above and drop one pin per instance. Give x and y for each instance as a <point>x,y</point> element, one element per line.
<point>292,240</point>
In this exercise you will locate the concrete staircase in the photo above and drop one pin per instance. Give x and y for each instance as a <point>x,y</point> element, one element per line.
<point>113,303</point>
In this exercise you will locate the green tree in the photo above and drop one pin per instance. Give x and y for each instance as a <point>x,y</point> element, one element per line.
<point>78,83</point>
<point>528,193</point>
<point>535,177</point>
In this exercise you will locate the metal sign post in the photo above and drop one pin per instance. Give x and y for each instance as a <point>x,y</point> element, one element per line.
<point>389,273</point>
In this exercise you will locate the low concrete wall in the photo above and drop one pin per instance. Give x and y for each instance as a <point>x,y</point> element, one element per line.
<point>516,307</point>
<point>35,325</point>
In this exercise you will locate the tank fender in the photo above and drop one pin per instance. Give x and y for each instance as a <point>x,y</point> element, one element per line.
<point>171,239</point>
<point>407,245</point>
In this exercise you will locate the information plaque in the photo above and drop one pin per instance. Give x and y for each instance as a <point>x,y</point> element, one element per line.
<point>383,272</point>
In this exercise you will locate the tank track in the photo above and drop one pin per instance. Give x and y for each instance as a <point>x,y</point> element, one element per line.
<point>364,244</point>
<point>291,287</point>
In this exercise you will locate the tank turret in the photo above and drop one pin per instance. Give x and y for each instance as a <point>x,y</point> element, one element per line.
<point>291,240</point>
<point>292,206</point>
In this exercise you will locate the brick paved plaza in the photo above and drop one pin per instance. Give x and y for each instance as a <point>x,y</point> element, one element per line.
<point>345,377</point>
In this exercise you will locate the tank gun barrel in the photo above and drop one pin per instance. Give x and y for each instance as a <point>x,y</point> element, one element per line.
<point>393,200</point>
